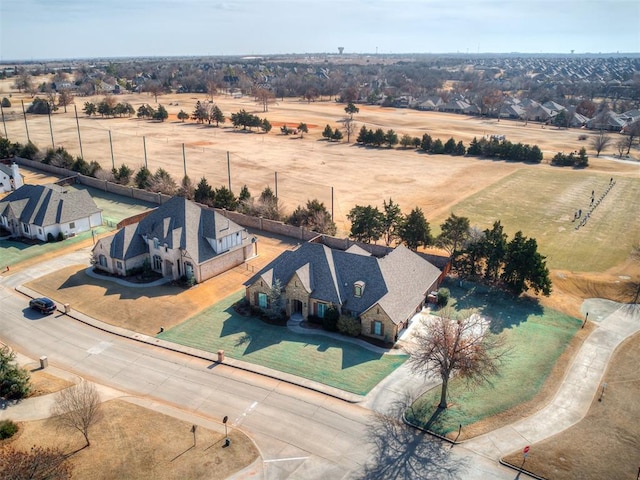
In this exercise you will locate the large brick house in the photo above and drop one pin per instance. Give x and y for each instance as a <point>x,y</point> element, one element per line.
<point>383,293</point>
<point>179,238</point>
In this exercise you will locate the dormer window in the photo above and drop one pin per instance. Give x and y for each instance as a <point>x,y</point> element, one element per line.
<point>358,289</point>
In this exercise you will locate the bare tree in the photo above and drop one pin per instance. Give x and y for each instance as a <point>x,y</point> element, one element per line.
<point>38,463</point>
<point>632,134</point>
<point>155,88</point>
<point>264,97</point>
<point>78,408</point>
<point>600,142</point>
<point>65,97</point>
<point>455,343</point>
<point>631,288</point>
<point>349,128</point>
<point>621,146</point>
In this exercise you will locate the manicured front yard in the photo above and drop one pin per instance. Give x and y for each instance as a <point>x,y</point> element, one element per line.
<point>536,337</point>
<point>13,252</point>
<point>316,357</point>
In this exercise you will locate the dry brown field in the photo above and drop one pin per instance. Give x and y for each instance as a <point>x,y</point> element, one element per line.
<point>307,167</point>
<point>130,441</point>
<point>311,167</point>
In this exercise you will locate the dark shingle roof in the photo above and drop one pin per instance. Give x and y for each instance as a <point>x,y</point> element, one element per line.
<point>178,223</point>
<point>45,205</point>
<point>398,282</point>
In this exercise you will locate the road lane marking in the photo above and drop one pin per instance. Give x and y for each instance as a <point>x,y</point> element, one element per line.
<point>290,459</point>
<point>244,415</point>
<point>99,348</point>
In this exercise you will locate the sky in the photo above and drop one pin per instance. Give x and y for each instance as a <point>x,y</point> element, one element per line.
<point>65,29</point>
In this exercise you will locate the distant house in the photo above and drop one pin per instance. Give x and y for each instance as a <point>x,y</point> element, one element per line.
<point>179,238</point>
<point>383,293</point>
<point>10,178</point>
<point>607,120</point>
<point>35,211</point>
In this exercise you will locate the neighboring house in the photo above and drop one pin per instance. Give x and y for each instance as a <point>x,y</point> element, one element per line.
<point>10,178</point>
<point>35,211</point>
<point>383,293</point>
<point>179,238</point>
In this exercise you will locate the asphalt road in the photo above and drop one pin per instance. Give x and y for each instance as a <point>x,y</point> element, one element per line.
<point>301,434</point>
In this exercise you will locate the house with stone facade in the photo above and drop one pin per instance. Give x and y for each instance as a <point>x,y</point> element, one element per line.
<point>43,212</point>
<point>382,292</point>
<point>177,239</point>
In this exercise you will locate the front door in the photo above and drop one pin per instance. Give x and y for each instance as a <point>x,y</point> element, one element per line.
<point>296,306</point>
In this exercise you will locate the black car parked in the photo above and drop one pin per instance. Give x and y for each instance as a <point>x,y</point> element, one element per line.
<point>43,304</point>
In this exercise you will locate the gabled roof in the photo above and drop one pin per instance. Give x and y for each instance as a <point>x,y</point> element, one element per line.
<point>178,223</point>
<point>45,205</point>
<point>397,282</point>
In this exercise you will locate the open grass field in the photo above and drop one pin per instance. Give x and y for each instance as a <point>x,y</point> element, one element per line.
<point>605,444</point>
<point>134,442</point>
<point>536,337</point>
<point>542,203</point>
<point>315,357</point>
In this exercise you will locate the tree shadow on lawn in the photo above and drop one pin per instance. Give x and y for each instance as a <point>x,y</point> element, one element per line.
<point>400,451</point>
<point>258,335</point>
<point>503,310</point>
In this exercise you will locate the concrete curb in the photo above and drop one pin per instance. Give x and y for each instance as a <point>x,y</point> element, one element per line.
<point>521,470</point>
<point>202,354</point>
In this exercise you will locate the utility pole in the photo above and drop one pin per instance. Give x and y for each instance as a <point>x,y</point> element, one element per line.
<point>229,169</point>
<point>53,145</point>
<point>79,137</point>
<point>24,114</point>
<point>113,161</point>
<point>3,122</point>
<point>184,160</point>
<point>144,145</point>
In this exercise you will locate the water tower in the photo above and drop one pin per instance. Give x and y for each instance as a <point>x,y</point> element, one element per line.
<point>340,50</point>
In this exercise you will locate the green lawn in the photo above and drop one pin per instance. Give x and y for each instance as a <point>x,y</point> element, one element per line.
<point>12,252</point>
<point>115,208</point>
<point>542,202</point>
<point>536,337</point>
<point>316,357</point>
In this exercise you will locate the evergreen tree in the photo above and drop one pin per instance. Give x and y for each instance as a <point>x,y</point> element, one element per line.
<point>524,267</point>
<point>494,248</point>
<point>143,178</point>
<point>367,223</point>
<point>425,144</point>
<point>204,194</point>
<point>415,231</point>
<point>392,221</point>
<point>327,132</point>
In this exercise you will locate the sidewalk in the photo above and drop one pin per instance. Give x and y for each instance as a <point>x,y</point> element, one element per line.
<point>573,400</point>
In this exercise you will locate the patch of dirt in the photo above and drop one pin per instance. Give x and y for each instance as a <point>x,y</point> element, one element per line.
<point>605,444</point>
<point>43,383</point>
